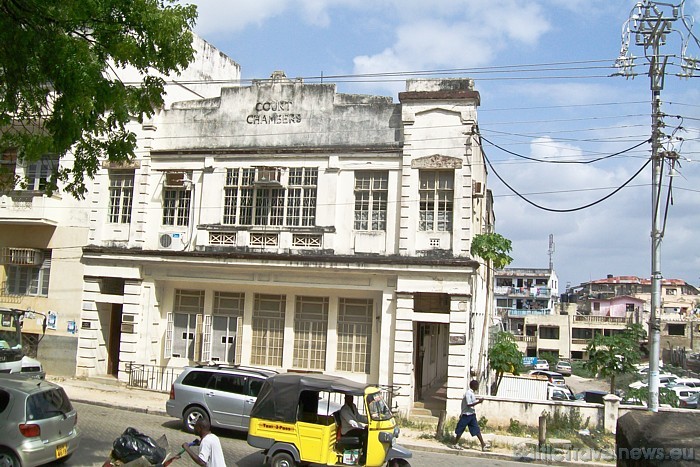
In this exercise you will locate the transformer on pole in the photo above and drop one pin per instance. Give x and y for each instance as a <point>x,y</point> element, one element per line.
<point>650,24</point>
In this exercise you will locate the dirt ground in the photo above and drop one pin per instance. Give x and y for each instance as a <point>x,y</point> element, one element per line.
<point>579,384</point>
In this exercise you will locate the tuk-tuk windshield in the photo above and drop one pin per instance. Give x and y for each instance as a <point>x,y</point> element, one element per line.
<point>378,410</point>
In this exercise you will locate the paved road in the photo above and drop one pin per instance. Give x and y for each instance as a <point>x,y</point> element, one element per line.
<point>100,426</point>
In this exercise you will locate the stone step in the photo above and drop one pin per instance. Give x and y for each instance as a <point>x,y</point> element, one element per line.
<point>423,419</point>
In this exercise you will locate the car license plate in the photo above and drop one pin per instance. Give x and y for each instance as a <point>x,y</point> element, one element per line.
<point>61,450</point>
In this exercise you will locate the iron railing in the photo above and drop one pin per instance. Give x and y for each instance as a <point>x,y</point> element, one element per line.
<point>151,377</point>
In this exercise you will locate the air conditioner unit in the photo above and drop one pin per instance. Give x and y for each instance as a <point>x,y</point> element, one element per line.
<point>171,240</point>
<point>22,256</point>
<point>268,176</point>
<point>478,189</point>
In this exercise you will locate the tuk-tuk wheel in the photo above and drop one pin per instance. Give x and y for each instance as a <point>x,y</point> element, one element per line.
<point>398,463</point>
<point>282,459</point>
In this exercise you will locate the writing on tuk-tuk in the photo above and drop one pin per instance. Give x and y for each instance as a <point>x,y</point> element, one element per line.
<point>298,418</point>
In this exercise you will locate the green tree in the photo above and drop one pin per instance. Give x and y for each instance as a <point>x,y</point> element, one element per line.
<point>504,357</point>
<point>492,247</point>
<point>58,93</point>
<point>610,356</point>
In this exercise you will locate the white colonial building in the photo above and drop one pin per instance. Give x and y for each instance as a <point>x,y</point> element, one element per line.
<point>288,226</point>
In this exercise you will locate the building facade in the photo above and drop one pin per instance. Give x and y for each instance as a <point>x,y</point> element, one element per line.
<point>42,236</point>
<point>288,226</point>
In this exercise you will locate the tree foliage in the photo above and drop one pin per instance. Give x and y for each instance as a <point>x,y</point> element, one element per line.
<point>58,92</point>
<point>614,355</point>
<point>492,247</point>
<point>504,357</point>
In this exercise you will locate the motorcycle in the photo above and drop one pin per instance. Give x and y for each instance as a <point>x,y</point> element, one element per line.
<point>134,449</point>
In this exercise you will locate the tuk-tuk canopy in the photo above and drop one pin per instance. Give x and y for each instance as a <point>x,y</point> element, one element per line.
<point>278,398</point>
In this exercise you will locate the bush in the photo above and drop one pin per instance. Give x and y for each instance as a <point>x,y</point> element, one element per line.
<point>515,428</point>
<point>483,423</point>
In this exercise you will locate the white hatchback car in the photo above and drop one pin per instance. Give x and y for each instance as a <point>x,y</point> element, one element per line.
<point>542,365</point>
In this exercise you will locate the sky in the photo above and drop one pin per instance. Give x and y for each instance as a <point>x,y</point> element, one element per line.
<point>551,110</point>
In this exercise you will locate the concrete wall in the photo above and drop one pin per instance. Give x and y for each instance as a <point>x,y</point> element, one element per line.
<point>57,354</point>
<point>499,411</point>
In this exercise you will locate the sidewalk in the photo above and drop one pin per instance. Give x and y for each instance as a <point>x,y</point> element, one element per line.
<point>111,393</point>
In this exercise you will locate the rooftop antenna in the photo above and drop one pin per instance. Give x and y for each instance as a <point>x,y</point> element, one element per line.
<point>550,252</point>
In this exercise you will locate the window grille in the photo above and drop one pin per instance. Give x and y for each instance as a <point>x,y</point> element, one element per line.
<point>354,335</point>
<point>310,333</point>
<point>263,239</point>
<point>29,280</point>
<point>307,240</point>
<point>268,329</point>
<point>222,238</point>
<point>371,191</point>
<point>176,205</point>
<point>436,200</point>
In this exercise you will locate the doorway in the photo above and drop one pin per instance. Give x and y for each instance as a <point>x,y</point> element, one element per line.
<point>114,339</point>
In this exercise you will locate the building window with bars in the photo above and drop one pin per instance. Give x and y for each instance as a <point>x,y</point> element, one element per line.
<point>354,335</point>
<point>183,333</point>
<point>31,278</point>
<point>268,329</point>
<point>310,333</point>
<point>253,197</point>
<point>121,194</point>
<point>371,192</point>
<point>436,200</point>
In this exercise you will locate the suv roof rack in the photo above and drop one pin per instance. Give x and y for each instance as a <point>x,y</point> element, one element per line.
<point>227,366</point>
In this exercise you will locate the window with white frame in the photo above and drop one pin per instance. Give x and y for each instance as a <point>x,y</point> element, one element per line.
<point>177,197</point>
<point>39,173</point>
<point>268,329</point>
<point>247,202</point>
<point>371,192</point>
<point>184,325</point>
<point>436,200</point>
<point>310,333</point>
<point>121,194</point>
<point>226,328</point>
<point>354,334</point>
<point>29,279</point>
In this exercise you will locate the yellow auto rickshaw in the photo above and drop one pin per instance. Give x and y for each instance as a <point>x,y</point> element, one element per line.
<point>296,420</point>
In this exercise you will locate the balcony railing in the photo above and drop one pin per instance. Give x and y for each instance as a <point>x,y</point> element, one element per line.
<point>602,319</point>
<point>528,339</point>
<point>537,292</point>
<point>528,311</point>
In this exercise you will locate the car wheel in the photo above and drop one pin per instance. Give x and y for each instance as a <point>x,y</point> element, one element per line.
<point>282,459</point>
<point>191,416</point>
<point>8,458</point>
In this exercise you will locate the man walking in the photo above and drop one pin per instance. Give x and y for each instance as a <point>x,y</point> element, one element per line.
<point>468,417</point>
<point>210,452</point>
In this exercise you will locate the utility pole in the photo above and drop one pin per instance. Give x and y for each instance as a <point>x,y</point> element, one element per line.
<point>650,23</point>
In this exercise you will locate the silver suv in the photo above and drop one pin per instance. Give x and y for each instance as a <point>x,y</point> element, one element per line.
<point>221,394</point>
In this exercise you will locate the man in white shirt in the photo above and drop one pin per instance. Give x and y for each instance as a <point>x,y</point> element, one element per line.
<point>468,417</point>
<point>210,452</point>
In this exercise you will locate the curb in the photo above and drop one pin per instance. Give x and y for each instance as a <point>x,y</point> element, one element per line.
<point>120,407</point>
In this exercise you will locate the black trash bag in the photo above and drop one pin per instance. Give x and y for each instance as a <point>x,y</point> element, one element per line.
<point>132,444</point>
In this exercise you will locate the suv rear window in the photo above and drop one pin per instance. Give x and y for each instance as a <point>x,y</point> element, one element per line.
<point>198,379</point>
<point>47,404</point>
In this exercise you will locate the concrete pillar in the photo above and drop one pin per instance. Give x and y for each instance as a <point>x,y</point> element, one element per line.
<point>611,408</point>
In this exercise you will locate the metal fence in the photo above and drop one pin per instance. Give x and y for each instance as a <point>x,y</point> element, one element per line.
<point>151,377</point>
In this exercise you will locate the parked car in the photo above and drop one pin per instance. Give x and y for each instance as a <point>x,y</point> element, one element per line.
<point>691,402</point>
<point>592,396</point>
<point>689,382</point>
<point>542,365</point>
<point>683,392</point>
<point>37,421</point>
<point>560,393</point>
<point>563,367</point>
<point>222,394</point>
<point>665,380</point>
<point>553,377</point>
